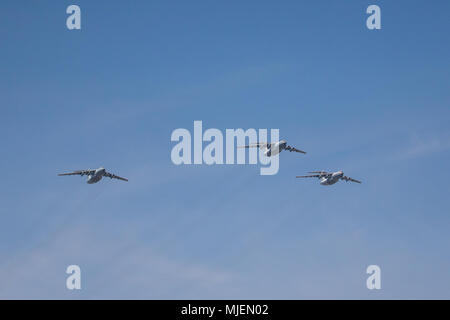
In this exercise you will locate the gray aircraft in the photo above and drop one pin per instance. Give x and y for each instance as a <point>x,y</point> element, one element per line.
<point>94,176</point>
<point>274,148</point>
<point>329,178</point>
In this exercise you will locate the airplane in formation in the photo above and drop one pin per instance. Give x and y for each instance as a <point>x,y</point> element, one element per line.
<point>329,178</point>
<point>94,175</point>
<point>274,148</point>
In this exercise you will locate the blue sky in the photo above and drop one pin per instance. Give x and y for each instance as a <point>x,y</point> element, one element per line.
<point>372,103</point>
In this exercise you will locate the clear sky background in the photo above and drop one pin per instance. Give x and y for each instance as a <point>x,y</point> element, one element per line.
<point>375,104</point>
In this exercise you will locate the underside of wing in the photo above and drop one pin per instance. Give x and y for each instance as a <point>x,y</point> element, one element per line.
<point>77,172</point>
<point>256,145</point>
<point>350,179</point>
<point>310,176</point>
<point>321,173</point>
<point>292,149</point>
<point>113,176</point>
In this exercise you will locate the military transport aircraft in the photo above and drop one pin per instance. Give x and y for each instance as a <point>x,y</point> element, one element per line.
<point>329,178</point>
<point>271,149</point>
<point>94,176</point>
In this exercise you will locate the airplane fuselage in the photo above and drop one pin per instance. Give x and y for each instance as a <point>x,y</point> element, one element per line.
<point>331,179</point>
<point>97,176</point>
<point>275,148</point>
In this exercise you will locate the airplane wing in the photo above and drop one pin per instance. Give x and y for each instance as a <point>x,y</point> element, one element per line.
<point>113,176</point>
<point>350,179</point>
<point>292,149</point>
<point>310,176</point>
<point>321,173</point>
<point>78,172</point>
<point>256,145</point>
<point>316,174</point>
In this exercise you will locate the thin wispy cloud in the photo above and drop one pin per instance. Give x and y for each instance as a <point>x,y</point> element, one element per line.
<point>422,146</point>
<point>111,267</point>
